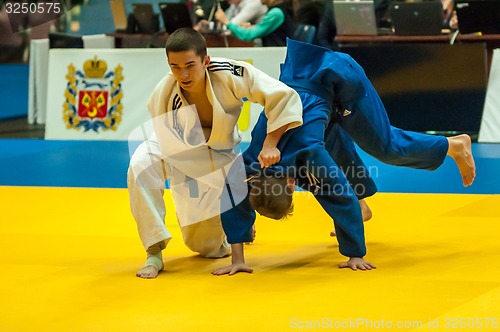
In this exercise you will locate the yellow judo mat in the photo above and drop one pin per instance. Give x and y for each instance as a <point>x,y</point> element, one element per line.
<point>68,259</point>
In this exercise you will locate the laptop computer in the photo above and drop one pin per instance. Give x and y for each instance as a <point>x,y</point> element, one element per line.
<point>175,16</point>
<point>355,17</point>
<point>478,16</point>
<point>417,18</point>
<point>119,14</point>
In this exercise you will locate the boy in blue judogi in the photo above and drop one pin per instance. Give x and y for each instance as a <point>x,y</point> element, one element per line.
<point>340,106</point>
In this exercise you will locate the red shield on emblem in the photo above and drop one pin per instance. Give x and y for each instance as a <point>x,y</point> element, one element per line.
<point>92,103</point>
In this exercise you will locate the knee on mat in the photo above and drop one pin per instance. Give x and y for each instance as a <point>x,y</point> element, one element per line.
<point>211,248</point>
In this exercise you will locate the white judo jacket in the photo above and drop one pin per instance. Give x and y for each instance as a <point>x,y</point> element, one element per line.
<point>199,168</point>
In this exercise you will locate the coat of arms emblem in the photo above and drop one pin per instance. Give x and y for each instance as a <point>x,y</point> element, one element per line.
<point>93,97</point>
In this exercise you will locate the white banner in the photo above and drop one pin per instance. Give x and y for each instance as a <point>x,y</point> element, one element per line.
<point>101,94</point>
<point>490,123</point>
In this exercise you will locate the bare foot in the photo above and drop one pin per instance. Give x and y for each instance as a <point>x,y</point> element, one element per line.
<point>366,213</point>
<point>461,151</point>
<point>148,272</point>
<point>254,234</point>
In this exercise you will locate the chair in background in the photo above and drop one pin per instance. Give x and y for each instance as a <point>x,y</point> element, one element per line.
<point>175,16</point>
<point>13,38</point>
<point>305,33</point>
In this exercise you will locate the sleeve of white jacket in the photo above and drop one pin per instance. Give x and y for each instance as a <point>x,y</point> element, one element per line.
<point>282,104</point>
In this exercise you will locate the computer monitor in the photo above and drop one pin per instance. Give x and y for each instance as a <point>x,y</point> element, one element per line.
<point>175,16</point>
<point>355,17</point>
<point>478,16</point>
<point>64,40</point>
<point>417,18</point>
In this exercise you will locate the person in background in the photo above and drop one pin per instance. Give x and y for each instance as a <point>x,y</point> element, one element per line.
<point>327,29</point>
<point>241,12</point>
<point>450,20</point>
<point>276,25</point>
<point>245,12</point>
<point>308,12</point>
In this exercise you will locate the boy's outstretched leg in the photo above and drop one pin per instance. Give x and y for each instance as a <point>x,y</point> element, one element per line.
<point>460,149</point>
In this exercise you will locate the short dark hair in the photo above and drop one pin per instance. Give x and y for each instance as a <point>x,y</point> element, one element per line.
<point>186,39</point>
<point>270,196</point>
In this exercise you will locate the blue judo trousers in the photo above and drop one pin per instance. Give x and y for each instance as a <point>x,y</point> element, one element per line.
<point>340,106</point>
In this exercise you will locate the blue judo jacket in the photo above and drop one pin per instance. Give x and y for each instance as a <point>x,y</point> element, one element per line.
<point>340,106</point>
<point>321,83</point>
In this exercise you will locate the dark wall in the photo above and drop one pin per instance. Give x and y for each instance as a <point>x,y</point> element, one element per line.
<point>428,87</point>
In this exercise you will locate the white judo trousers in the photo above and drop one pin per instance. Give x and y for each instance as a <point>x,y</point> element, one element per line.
<point>201,180</point>
<point>198,218</point>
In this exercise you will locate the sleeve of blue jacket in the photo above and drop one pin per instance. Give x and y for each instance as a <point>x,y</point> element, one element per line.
<point>337,198</point>
<point>238,221</point>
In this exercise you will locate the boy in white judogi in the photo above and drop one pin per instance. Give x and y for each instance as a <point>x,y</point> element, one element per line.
<point>195,110</point>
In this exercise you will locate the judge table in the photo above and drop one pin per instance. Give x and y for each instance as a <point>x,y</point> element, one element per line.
<point>434,84</point>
